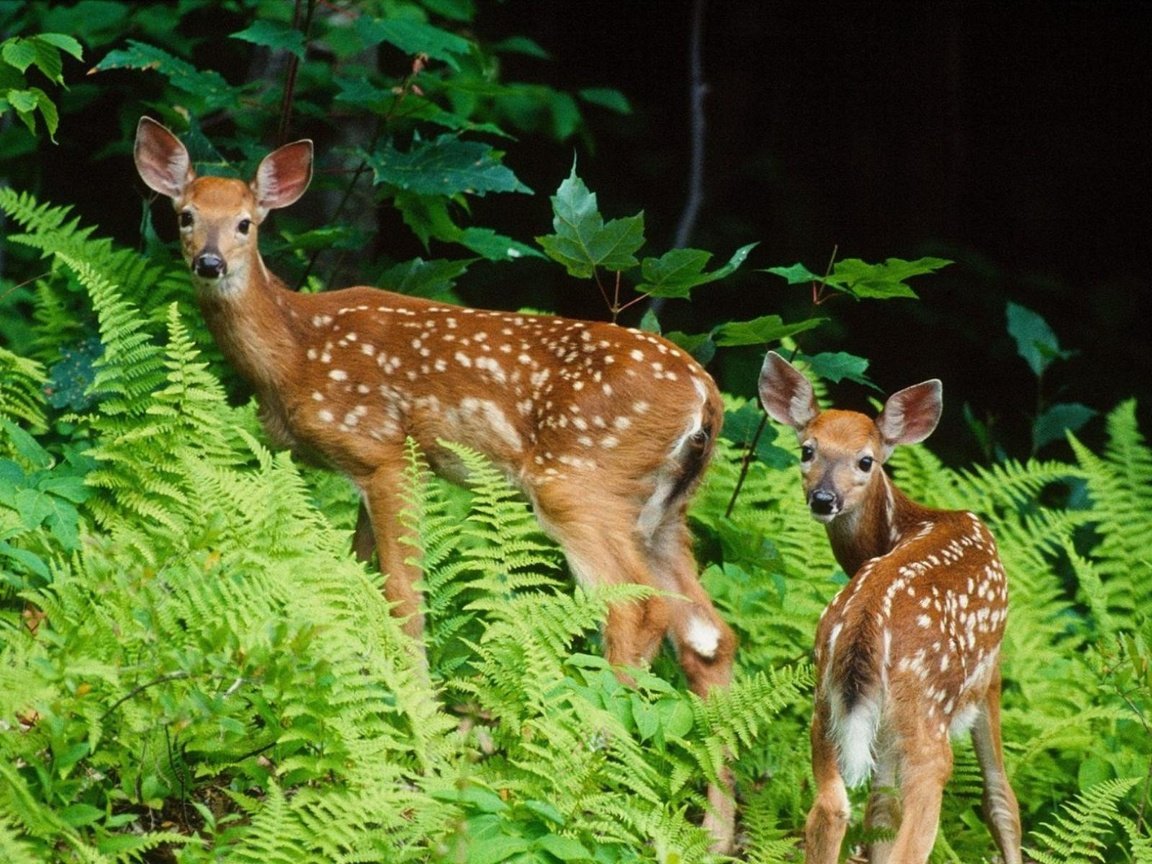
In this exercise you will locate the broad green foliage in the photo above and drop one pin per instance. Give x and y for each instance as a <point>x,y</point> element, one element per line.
<point>43,53</point>
<point>156,658</point>
<point>862,280</point>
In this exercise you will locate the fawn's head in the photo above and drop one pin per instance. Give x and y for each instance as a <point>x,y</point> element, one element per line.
<point>219,216</point>
<point>841,451</point>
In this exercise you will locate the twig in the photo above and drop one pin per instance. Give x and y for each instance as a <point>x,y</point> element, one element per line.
<point>293,69</point>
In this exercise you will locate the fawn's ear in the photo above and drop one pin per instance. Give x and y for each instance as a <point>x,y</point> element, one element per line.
<point>911,415</point>
<point>161,159</point>
<point>283,176</point>
<point>787,395</point>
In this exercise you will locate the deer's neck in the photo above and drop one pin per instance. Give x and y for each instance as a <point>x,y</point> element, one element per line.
<point>251,317</point>
<point>876,526</point>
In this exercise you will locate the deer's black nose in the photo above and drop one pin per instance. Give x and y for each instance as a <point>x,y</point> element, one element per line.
<point>822,502</point>
<point>209,266</point>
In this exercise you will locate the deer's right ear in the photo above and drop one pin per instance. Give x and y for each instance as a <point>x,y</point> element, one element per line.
<point>161,159</point>
<point>787,395</point>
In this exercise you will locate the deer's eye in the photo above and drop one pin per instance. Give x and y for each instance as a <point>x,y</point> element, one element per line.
<point>807,453</point>
<point>865,463</point>
<point>185,218</point>
<point>243,226</point>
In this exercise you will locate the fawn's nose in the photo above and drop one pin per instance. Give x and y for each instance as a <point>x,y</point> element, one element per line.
<point>822,503</point>
<point>209,265</point>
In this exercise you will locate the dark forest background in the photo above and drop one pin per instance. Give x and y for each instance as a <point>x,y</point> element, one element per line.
<point>1011,138</point>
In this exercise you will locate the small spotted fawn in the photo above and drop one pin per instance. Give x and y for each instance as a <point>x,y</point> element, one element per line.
<point>606,430</point>
<point>909,651</point>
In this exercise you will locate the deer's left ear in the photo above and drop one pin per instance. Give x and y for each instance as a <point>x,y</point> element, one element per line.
<point>911,415</point>
<point>283,176</point>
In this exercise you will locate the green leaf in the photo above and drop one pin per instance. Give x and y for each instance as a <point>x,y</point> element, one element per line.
<point>1057,420</point>
<point>702,346</point>
<point>495,247</point>
<point>25,446</point>
<point>18,53</point>
<point>444,166</point>
<point>415,37</point>
<point>276,35</point>
<point>48,60</point>
<point>607,97</point>
<point>797,274</point>
<point>880,281</point>
<point>24,101</point>
<point>210,87</point>
<point>564,848</point>
<point>427,216</point>
<point>839,365</point>
<point>545,811</point>
<point>760,331</point>
<point>63,41</point>
<point>521,45</point>
<point>1036,342</point>
<point>645,716</point>
<point>33,507</point>
<point>583,241</point>
<point>420,278</point>
<point>676,718</point>
<point>31,562</point>
<point>649,322</point>
<point>490,850</point>
<point>677,272</point>
<point>79,815</point>
<point>741,426</point>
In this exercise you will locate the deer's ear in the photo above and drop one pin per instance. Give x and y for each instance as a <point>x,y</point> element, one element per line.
<point>161,159</point>
<point>911,415</point>
<point>283,176</point>
<point>786,395</point>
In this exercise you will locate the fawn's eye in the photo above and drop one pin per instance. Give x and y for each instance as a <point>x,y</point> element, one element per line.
<point>185,218</point>
<point>807,453</point>
<point>865,463</point>
<point>243,226</point>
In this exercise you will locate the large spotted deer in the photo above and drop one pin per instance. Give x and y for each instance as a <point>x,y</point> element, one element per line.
<point>606,430</point>
<point>909,651</point>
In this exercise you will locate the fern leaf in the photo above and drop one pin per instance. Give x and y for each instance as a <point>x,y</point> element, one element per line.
<point>1077,836</point>
<point>22,390</point>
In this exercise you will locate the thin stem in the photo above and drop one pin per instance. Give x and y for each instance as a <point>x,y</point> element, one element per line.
<point>745,465</point>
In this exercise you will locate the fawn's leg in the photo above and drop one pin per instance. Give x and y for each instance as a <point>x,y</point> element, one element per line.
<point>1000,808</point>
<point>882,815</point>
<point>925,766</point>
<point>603,549</point>
<point>828,819</point>
<point>383,500</point>
<point>705,646</point>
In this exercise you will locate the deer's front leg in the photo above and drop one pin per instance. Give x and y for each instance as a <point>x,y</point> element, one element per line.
<point>383,501</point>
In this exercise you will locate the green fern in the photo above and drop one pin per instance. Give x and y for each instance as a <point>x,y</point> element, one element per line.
<point>1080,834</point>
<point>22,390</point>
<point>1120,486</point>
<point>54,231</point>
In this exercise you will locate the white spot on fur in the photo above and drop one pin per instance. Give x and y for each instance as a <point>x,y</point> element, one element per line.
<point>702,637</point>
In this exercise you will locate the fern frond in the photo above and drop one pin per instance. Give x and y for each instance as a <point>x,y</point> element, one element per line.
<point>22,390</point>
<point>1120,486</point>
<point>1139,839</point>
<point>1078,835</point>
<point>13,847</point>
<point>273,836</point>
<point>53,231</point>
